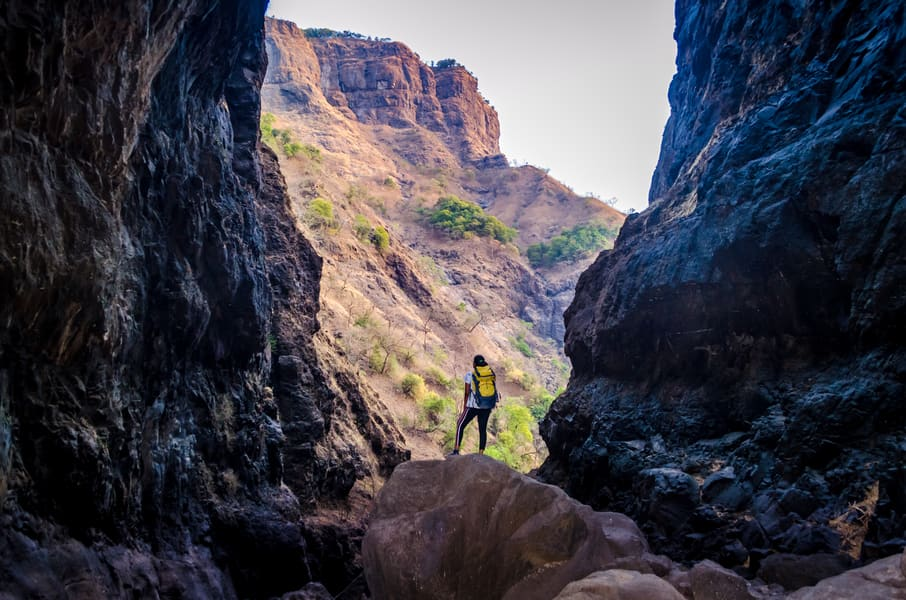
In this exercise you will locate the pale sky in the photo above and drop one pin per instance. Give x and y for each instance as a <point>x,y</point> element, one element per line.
<point>580,86</point>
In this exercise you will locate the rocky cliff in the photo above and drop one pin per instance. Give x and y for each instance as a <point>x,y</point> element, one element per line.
<point>149,376</point>
<point>383,82</point>
<point>739,365</point>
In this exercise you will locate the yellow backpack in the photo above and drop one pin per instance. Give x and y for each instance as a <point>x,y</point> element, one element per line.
<point>484,386</point>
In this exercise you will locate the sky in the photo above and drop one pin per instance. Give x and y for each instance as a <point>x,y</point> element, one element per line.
<point>580,86</point>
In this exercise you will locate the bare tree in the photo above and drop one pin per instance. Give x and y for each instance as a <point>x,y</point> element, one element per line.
<point>426,327</point>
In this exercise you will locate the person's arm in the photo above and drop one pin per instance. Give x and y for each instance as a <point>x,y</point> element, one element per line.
<point>465,396</point>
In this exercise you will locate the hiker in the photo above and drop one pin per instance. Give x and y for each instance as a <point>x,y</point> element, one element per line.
<point>479,398</point>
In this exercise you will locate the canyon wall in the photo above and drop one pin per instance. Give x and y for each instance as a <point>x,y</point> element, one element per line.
<point>145,269</point>
<point>739,365</point>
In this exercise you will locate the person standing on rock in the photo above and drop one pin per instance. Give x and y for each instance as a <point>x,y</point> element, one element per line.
<point>479,398</point>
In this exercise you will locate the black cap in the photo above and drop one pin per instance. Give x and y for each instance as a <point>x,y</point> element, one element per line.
<point>479,361</point>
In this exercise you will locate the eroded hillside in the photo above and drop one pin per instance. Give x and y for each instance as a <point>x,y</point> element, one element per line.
<point>380,138</point>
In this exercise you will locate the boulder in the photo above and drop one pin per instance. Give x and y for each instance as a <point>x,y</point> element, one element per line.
<point>669,496</point>
<point>471,527</point>
<point>619,584</point>
<point>794,571</point>
<point>712,581</point>
<point>881,580</point>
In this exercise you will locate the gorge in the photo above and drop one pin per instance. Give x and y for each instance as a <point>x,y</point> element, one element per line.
<point>179,418</point>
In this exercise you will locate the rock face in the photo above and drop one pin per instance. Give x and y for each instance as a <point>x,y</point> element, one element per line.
<point>881,580</point>
<point>748,329</point>
<point>140,442</point>
<point>471,527</point>
<point>387,83</point>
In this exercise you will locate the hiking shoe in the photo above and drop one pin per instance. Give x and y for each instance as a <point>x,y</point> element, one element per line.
<point>454,453</point>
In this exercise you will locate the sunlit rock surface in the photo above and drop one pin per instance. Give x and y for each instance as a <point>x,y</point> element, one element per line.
<point>749,327</point>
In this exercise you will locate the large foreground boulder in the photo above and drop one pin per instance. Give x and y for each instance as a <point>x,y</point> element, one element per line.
<point>471,527</point>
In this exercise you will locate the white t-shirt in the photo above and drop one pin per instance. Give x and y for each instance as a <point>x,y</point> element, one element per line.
<point>472,402</point>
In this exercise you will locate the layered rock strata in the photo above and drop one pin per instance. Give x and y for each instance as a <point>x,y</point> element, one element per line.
<point>383,82</point>
<point>739,364</point>
<point>140,440</point>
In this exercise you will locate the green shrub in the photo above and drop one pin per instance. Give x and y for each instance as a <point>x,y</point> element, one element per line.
<point>320,213</point>
<point>571,244</point>
<point>438,409</point>
<point>361,227</point>
<point>381,361</point>
<point>522,346</point>
<point>323,32</point>
<point>446,63</point>
<point>380,238</point>
<point>463,219</point>
<point>514,441</point>
<point>267,130</point>
<point>438,377</point>
<point>356,192</point>
<point>377,360</point>
<point>311,152</point>
<point>413,386</point>
<point>541,404</point>
<point>561,366</point>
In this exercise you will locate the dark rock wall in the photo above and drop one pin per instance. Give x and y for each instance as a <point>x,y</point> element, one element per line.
<point>754,317</point>
<point>140,440</point>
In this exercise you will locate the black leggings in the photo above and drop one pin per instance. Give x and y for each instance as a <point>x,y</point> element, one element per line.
<point>466,417</point>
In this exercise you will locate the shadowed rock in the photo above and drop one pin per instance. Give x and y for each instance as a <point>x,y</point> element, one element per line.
<point>710,580</point>
<point>752,321</point>
<point>882,580</point>
<point>794,571</point>
<point>471,527</point>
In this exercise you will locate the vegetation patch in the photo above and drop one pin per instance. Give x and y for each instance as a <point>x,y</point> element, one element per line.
<point>571,244</point>
<point>520,344</point>
<point>380,238</point>
<point>514,443</point>
<point>281,140</point>
<point>320,214</point>
<point>464,219</point>
<point>413,386</point>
